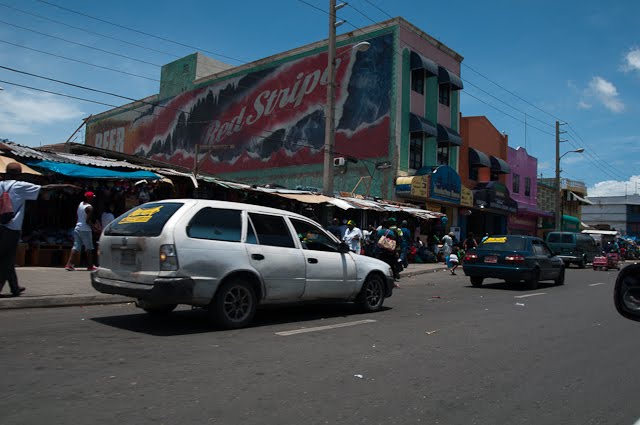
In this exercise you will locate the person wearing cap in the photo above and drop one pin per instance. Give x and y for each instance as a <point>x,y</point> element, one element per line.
<point>82,234</point>
<point>353,237</point>
<point>19,192</point>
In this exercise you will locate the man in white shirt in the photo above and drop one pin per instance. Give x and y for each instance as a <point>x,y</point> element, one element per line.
<point>19,192</point>
<point>82,234</point>
<point>353,236</point>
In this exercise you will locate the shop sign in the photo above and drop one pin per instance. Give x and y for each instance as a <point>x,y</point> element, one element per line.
<point>497,197</point>
<point>413,186</point>
<point>466,197</point>
<point>445,185</point>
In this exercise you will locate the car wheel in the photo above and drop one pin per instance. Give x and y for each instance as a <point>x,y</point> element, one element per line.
<point>476,281</point>
<point>234,305</point>
<point>560,279</point>
<point>582,263</point>
<point>535,279</point>
<point>371,295</point>
<point>156,309</point>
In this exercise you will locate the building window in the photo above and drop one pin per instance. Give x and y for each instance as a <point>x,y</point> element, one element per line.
<point>473,173</point>
<point>443,154</point>
<point>444,94</point>
<point>415,150</point>
<point>185,68</point>
<point>527,186</point>
<point>417,80</point>
<point>516,183</point>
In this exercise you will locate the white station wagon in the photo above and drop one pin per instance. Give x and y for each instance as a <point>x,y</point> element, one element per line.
<point>231,257</point>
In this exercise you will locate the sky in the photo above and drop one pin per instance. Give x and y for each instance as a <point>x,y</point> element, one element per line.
<point>526,64</point>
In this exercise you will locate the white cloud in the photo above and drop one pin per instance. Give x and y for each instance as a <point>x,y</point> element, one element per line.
<point>544,165</point>
<point>632,60</point>
<point>606,93</point>
<point>25,113</point>
<point>584,105</point>
<point>615,187</point>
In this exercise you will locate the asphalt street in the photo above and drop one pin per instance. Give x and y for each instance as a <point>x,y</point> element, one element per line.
<point>442,352</point>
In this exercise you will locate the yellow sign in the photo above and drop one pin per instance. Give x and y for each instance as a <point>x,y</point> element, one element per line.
<point>466,197</point>
<point>496,240</point>
<point>414,186</point>
<point>141,215</point>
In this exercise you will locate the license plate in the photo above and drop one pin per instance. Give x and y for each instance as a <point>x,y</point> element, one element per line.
<point>128,257</point>
<point>491,259</point>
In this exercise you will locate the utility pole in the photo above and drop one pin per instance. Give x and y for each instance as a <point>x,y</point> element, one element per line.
<point>558,185</point>
<point>330,130</point>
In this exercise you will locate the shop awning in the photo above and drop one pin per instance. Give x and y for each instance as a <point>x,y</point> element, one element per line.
<point>5,160</point>
<point>447,77</point>
<point>478,158</point>
<point>571,219</point>
<point>499,165</point>
<point>307,198</point>
<point>86,172</point>
<point>583,201</point>
<point>418,124</point>
<point>448,135</point>
<point>417,61</point>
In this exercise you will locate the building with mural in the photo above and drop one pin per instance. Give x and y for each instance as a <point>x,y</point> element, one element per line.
<point>573,197</point>
<point>483,171</point>
<point>523,185</point>
<point>397,117</point>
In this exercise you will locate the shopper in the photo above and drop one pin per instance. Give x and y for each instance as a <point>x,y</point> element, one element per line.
<point>82,234</point>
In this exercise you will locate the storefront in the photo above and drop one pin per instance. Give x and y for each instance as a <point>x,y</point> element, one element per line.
<point>492,205</point>
<point>444,196</point>
<point>528,221</point>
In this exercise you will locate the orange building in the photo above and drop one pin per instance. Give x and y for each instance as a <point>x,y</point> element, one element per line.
<point>483,169</point>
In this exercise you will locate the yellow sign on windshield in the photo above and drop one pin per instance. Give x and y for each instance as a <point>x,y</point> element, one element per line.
<point>496,240</point>
<point>141,215</point>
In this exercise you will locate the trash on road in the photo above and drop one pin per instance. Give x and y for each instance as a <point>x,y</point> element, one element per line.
<point>431,332</point>
<point>357,375</point>
<point>520,304</point>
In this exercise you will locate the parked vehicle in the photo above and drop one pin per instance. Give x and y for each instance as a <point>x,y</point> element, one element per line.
<point>230,258</point>
<point>513,258</point>
<point>573,248</point>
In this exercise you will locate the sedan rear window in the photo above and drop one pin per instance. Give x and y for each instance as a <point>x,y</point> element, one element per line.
<point>145,220</point>
<point>504,243</point>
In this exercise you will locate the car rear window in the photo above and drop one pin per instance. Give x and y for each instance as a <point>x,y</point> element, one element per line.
<point>566,238</point>
<point>553,237</point>
<point>504,243</point>
<point>145,220</point>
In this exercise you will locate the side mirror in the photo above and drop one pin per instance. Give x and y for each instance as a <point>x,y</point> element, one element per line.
<point>626,293</point>
<point>343,248</point>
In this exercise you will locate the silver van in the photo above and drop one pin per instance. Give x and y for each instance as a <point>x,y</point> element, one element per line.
<point>576,248</point>
<point>231,257</point>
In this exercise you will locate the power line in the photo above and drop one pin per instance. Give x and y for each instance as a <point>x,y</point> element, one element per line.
<point>79,61</point>
<point>88,31</point>
<point>57,94</point>
<point>141,32</point>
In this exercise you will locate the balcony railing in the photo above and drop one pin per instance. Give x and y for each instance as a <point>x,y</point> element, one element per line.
<point>567,184</point>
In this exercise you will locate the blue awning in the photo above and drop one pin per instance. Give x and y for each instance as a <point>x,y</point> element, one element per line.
<point>447,77</point>
<point>417,61</point>
<point>418,124</point>
<point>477,158</point>
<point>448,135</point>
<point>86,172</point>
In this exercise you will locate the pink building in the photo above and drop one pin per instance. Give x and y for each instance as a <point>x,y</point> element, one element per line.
<point>522,183</point>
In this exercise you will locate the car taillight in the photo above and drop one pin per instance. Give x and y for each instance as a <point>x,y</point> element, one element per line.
<point>514,259</point>
<point>168,258</point>
<point>470,258</point>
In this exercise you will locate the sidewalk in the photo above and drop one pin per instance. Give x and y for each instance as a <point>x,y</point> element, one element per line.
<point>56,287</point>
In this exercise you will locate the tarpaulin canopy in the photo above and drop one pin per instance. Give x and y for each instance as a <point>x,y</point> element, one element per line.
<point>86,172</point>
<point>5,160</point>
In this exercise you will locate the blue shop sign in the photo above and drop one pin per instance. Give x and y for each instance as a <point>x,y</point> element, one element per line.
<point>445,185</point>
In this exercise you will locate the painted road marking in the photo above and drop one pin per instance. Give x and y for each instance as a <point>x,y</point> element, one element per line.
<point>324,328</point>
<point>596,284</point>
<point>530,295</point>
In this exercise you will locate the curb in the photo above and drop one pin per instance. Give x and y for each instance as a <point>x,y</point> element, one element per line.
<point>61,301</point>
<point>47,301</point>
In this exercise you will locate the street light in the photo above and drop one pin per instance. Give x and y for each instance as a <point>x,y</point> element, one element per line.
<point>330,130</point>
<point>558,188</point>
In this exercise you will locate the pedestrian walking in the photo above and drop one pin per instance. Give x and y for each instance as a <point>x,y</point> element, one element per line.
<point>469,242</point>
<point>83,234</point>
<point>389,256</point>
<point>334,228</point>
<point>19,192</point>
<point>405,244</point>
<point>454,261</point>
<point>353,237</point>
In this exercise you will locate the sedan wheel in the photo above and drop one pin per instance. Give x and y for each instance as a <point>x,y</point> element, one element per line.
<point>156,309</point>
<point>560,279</point>
<point>476,281</point>
<point>371,295</point>
<point>234,305</point>
<point>532,283</point>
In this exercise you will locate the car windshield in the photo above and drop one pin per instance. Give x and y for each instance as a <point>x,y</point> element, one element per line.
<point>503,243</point>
<point>145,220</point>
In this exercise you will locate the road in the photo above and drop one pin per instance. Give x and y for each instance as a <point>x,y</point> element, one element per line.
<point>442,352</point>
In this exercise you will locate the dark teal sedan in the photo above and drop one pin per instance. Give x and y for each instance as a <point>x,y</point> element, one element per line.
<point>514,259</point>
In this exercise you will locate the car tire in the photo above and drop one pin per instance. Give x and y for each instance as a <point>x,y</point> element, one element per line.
<point>532,283</point>
<point>156,309</point>
<point>476,281</point>
<point>371,294</point>
<point>560,279</point>
<point>234,304</point>
<point>582,264</point>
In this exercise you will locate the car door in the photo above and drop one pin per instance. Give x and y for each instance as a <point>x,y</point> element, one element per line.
<point>543,258</point>
<point>555,264</point>
<point>330,274</point>
<point>274,254</point>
